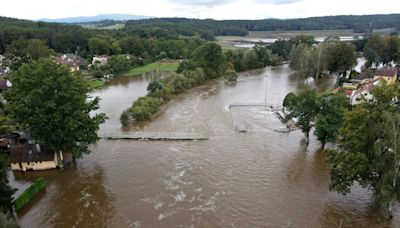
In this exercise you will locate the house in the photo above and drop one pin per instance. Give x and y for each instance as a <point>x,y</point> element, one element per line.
<point>347,92</point>
<point>5,144</point>
<point>349,86</point>
<point>364,93</point>
<point>388,74</point>
<point>4,85</point>
<point>101,59</point>
<point>17,138</point>
<point>363,78</point>
<point>31,157</point>
<point>73,62</point>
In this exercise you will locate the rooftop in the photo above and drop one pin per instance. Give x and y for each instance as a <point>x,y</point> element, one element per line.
<point>29,153</point>
<point>387,72</point>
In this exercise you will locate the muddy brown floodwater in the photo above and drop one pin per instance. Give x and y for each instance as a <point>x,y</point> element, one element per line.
<point>261,178</point>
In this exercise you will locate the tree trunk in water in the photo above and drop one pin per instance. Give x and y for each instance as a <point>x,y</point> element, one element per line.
<point>390,210</point>
<point>338,79</point>
<point>308,138</point>
<point>323,146</point>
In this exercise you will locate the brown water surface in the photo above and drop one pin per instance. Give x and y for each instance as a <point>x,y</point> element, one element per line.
<point>261,178</point>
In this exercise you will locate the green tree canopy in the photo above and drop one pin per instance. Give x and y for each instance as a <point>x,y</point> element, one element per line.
<point>52,104</point>
<point>24,51</point>
<point>340,56</point>
<point>303,107</point>
<point>99,46</point>
<point>330,118</point>
<point>6,192</point>
<point>369,148</point>
<point>209,56</point>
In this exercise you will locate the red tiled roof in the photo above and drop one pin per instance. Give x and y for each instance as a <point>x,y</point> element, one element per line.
<point>348,92</point>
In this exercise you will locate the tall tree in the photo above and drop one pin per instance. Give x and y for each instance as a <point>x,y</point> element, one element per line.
<point>303,107</point>
<point>99,46</point>
<point>53,105</point>
<point>209,56</point>
<point>340,57</point>
<point>6,192</point>
<point>24,51</point>
<point>374,50</point>
<point>369,148</point>
<point>330,118</point>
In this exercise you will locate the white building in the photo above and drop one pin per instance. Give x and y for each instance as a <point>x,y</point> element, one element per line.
<point>364,93</point>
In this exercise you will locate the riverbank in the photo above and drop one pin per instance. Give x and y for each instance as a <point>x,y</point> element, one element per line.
<point>96,83</point>
<point>262,177</point>
<point>162,66</point>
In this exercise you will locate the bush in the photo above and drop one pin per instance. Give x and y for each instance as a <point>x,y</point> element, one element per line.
<point>144,108</point>
<point>124,118</point>
<point>29,193</point>
<point>231,75</point>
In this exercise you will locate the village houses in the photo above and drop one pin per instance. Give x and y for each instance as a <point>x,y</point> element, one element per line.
<point>360,87</point>
<point>100,60</point>
<point>73,62</point>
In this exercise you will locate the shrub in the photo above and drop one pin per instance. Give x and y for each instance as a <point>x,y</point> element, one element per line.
<point>29,193</point>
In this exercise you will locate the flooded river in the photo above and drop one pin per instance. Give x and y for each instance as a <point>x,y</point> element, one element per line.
<point>260,178</point>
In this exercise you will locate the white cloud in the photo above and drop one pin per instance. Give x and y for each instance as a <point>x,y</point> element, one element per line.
<point>224,9</point>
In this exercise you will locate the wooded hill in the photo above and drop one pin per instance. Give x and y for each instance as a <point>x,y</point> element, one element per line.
<point>206,28</point>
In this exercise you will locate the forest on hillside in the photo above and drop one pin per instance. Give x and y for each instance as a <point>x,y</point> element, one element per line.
<point>208,28</point>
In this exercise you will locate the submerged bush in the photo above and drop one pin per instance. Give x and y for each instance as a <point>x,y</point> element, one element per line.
<point>142,109</point>
<point>231,76</point>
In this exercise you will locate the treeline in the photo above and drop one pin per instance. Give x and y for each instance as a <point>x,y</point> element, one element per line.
<point>86,42</point>
<point>209,28</point>
<point>208,62</point>
<point>333,56</point>
<point>366,137</point>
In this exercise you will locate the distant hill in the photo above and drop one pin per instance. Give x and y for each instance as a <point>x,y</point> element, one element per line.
<point>97,18</point>
<point>187,27</point>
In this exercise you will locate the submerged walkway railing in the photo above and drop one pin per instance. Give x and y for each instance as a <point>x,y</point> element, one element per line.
<point>157,136</point>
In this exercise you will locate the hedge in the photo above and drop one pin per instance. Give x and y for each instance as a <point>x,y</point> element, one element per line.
<point>29,193</point>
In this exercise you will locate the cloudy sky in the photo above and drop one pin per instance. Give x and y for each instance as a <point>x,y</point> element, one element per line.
<point>217,9</point>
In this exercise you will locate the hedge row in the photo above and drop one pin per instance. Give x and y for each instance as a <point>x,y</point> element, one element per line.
<point>29,193</point>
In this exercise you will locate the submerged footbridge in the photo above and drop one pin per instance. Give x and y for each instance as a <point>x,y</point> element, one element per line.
<point>157,136</point>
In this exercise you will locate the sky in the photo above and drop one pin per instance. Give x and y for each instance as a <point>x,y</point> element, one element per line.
<point>222,9</point>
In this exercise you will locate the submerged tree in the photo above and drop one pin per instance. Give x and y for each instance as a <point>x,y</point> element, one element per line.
<point>340,57</point>
<point>369,148</point>
<point>53,105</point>
<point>303,107</point>
<point>330,118</point>
<point>6,192</point>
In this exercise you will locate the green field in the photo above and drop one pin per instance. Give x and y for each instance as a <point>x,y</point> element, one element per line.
<point>95,84</point>
<point>162,67</point>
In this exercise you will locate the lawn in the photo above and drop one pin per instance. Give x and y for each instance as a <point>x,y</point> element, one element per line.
<point>162,66</point>
<point>95,84</point>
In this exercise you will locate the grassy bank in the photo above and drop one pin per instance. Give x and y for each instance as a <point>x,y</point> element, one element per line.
<point>95,84</point>
<point>162,67</point>
<point>29,193</point>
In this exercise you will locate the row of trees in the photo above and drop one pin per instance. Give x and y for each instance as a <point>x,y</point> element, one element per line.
<point>332,55</point>
<point>207,62</point>
<point>87,42</point>
<point>209,28</point>
<point>367,137</point>
<point>382,50</point>
<point>325,111</point>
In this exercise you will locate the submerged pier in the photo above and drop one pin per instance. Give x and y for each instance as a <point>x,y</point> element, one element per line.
<point>157,136</point>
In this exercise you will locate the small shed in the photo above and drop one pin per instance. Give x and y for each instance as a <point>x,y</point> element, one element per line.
<point>30,157</point>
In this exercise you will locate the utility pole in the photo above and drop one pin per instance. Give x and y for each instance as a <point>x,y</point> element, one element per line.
<point>265,92</point>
